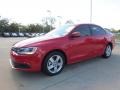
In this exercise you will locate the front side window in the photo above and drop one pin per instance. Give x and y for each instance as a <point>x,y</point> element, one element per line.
<point>84,30</point>
<point>96,30</point>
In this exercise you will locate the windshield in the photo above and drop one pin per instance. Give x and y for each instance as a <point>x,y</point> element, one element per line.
<point>61,31</point>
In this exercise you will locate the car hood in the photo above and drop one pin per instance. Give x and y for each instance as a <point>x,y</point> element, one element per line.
<point>34,40</point>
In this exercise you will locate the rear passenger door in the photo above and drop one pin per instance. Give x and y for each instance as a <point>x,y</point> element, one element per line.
<point>98,35</point>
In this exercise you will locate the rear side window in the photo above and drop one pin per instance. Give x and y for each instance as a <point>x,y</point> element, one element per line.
<point>83,29</point>
<point>97,30</point>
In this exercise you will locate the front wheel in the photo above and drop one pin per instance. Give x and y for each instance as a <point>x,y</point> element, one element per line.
<point>108,51</point>
<point>53,63</point>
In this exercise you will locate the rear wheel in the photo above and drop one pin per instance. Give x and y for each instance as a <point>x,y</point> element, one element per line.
<point>53,63</point>
<point>108,51</point>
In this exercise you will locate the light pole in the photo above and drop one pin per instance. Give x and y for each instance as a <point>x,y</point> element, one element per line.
<point>59,20</point>
<point>50,19</point>
<point>91,10</point>
<point>43,20</point>
<point>19,29</point>
<point>43,29</point>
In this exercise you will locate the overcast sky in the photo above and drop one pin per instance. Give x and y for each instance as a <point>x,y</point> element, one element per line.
<point>105,12</point>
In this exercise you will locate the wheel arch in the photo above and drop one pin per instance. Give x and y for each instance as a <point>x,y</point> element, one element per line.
<point>55,50</point>
<point>110,43</point>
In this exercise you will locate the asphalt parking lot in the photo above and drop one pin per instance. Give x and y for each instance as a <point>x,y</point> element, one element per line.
<point>94,74</point>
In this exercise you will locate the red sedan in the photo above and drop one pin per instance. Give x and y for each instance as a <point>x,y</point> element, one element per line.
<point>65,45</point>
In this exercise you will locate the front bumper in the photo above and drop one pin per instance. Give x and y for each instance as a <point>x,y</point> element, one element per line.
<point>31,63</point>
<point>16,65</point>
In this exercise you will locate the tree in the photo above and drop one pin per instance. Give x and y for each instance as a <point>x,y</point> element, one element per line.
<point>34,28</point>
<point>52,21</point>
<point>14,27</point>
<point>113,30</point>
<point>49,22</point>
<point>119,30</point>
<point>69,22</point>
<point>4,23</point>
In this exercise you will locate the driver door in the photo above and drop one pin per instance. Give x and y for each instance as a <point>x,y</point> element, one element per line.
<point>81,47</point>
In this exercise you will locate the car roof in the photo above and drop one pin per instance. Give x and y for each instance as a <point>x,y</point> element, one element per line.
<point>86,24</point>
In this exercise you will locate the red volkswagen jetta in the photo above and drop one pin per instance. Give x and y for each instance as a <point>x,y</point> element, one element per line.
<point>65,45</point>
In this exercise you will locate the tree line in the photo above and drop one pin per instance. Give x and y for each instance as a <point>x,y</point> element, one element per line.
<point>46,26</point>
<point>115,31</point>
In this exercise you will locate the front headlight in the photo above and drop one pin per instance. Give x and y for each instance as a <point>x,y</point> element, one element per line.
<point>25,50</point>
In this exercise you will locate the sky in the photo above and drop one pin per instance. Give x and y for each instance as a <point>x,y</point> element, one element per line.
<point>105,12</point>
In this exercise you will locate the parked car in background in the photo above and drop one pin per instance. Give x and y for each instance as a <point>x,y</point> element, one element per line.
<point>65,45</point>
<point>39,34</point>
<point>14,35</point>
<point>27,34</point>
<point>6,34</point>
<point>42,34</point>
<point>21,34</point>
<point>33,34</point>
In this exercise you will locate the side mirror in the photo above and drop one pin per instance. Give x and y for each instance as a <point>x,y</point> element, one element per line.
<point>75,34</point>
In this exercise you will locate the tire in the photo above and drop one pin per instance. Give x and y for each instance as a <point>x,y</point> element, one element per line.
<point>108,51</point>
<point>53,63</point>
